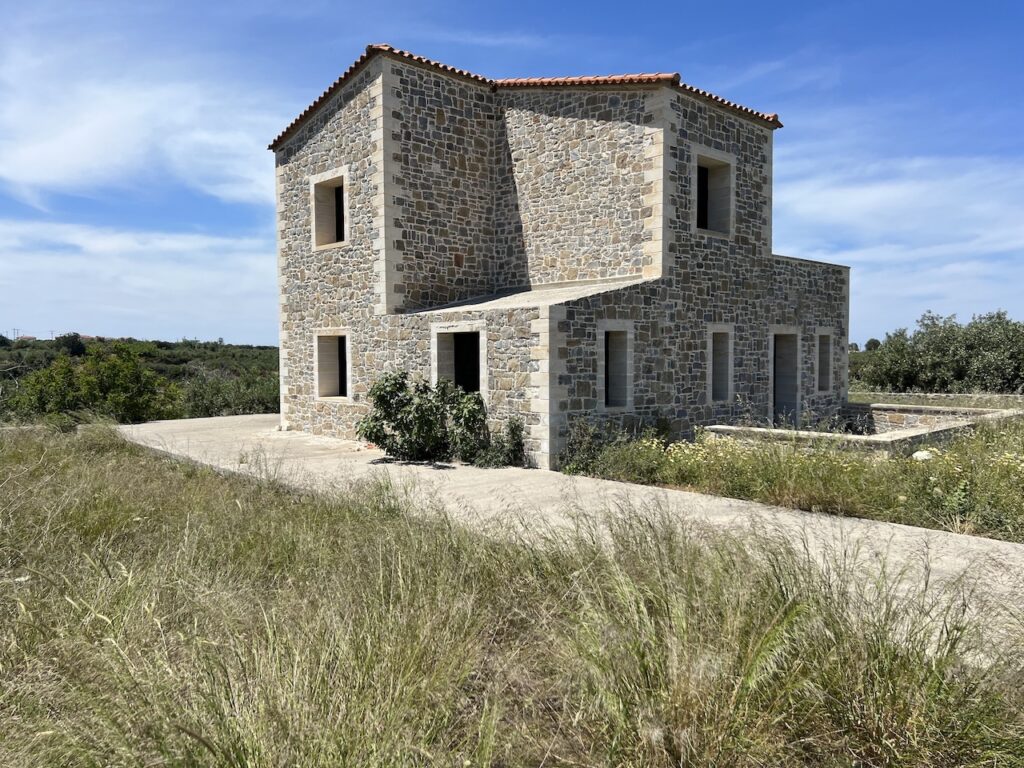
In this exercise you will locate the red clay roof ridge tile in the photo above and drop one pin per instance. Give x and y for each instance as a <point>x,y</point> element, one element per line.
<point>671,78</point>
<point>385,48</point>
<point>642,78</point>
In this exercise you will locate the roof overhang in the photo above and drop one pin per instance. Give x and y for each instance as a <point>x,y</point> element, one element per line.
<point>670,79</point>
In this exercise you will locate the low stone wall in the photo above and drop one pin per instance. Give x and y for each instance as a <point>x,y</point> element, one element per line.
<point>881,418</point>
<point>922,425</point>
<point>940,397</point>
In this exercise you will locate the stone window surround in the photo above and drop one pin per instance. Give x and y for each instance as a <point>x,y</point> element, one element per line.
<point>340,172</point>
<point>615,325</point>
<point>791,330</point>
<point>461,326</point>
<point>818,333</point>
<point>698,151</point>
<point>730,329</point>
<point>332,332</point>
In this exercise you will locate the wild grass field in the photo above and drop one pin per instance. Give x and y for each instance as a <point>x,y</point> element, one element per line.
<point>973,485</point>
<point>155,613</point>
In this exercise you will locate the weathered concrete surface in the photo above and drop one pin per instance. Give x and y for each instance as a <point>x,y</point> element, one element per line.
<point>542,500</point>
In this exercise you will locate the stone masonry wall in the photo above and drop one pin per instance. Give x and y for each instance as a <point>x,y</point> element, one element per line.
<point>333,287</point>
<point>671,358</point>
<point>731,280</point>
<point>336,289</point>
<point>880,419</point>
<point>570,185</point>
<point>385,343</point>
<point>813,298</point>
<point>442,185</point>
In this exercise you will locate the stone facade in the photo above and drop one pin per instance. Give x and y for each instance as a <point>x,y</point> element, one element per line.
<point>570,185</point>
<point>543,215</point>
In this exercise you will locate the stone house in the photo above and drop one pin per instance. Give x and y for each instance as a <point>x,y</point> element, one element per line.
<point>591,248</point>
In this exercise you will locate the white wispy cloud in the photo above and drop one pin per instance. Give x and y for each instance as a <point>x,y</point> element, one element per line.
<point>108,281</point>
<point>74,118</point>
<point>922,232</point>
<point>783,75</point>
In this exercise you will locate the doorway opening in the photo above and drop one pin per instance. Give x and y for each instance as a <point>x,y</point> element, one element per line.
<point>458,359</point>
<point>785,379</point>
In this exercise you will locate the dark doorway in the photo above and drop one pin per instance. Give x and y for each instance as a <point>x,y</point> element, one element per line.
<point>466,361</point>
<point>785,397</point>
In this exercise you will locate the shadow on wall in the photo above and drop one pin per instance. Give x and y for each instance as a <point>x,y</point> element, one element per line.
<point>510,267</point>
<point>579,164</point>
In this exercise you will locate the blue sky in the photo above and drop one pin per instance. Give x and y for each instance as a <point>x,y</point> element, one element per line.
<point>136,192</point>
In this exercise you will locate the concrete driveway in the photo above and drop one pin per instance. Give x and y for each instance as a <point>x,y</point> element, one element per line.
<point>533,499</point>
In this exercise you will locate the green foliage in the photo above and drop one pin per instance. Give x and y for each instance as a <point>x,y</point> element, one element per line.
<point>191,379</point>
<point>941,355</point>
<point>412,421</point>
<point>467,422</point>
<point>408,420</point>
<point>52,390</point>
<point>637,461</point>
<point>156,613</point>
<point>218,393</point>
<point>590,450</point>
<point>974,485</point>
<point>174,360</point>
<point>109,381</point>
<point>116,383</point>
<point>582,448</point>
<point>71,343</point>
<point>507,448</point>
<point>872,344</point>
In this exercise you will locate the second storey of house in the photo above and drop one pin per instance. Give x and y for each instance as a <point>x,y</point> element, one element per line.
<point>410,185</point>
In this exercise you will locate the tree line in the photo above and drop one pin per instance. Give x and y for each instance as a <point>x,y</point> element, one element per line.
<point>944,355</point>
<point>69,378</point>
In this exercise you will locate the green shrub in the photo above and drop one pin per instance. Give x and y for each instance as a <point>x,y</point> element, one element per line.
<point>467,422</point>
<point>412,421</point>
<point>116,383</point>
<point>582,448</point>
<point>408,420</point>
<point>109,381</point>
<point>209,392</point>
<point>507,448</point>
<point>638,461</point>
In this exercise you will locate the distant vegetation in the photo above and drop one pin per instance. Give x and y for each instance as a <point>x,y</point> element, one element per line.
<point>942,355</point>
<point>156,613</point>
<point>70,377</point>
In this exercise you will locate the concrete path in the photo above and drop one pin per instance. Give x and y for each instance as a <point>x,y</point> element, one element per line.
<point>538,499</point>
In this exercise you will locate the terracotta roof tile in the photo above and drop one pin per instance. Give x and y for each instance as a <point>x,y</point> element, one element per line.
<point>667,78</point>
<point>769,117</point>
<point>657,78</point>
<point>385,48</point>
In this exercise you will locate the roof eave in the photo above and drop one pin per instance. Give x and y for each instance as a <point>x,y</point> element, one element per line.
<point>610,81</point>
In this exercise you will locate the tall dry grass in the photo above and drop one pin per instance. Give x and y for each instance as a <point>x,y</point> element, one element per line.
<point>154,613</point>
<point>974,485</point>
